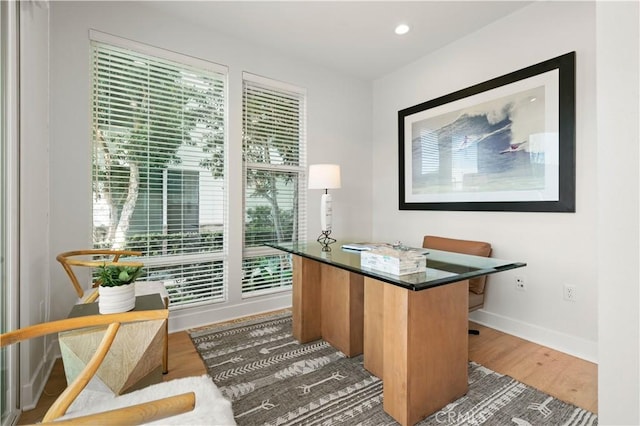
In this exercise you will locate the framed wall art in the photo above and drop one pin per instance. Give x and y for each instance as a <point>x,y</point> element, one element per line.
<point>507,144</point>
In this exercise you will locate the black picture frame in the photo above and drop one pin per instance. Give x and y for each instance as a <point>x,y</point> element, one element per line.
<point>507,144</point>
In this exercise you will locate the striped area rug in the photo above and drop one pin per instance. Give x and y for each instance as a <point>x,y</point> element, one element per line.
<point>271,379</point>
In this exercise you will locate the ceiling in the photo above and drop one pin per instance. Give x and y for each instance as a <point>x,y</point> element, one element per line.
<point>352,37</point>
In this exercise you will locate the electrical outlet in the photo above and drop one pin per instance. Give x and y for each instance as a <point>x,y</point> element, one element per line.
<point>570,293</point>
<point>520,284</point>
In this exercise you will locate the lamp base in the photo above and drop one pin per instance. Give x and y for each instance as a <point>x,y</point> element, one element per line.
<point>325,240</point>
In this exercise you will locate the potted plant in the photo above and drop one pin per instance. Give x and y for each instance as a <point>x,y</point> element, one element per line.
<point>117,290</point>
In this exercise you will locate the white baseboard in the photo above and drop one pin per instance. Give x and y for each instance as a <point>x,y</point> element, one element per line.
<point>184,319</point>
<point>581,348</point>
<point>31,392</point>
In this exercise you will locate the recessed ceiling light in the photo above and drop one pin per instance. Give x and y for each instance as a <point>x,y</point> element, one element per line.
<point>402,29</point>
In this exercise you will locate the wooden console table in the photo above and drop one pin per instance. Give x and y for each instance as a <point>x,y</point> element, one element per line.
<point>135,359</point>
<point>412,329</point>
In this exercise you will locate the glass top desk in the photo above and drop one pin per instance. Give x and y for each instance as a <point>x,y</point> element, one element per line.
<point>443,267</point>
<point>412,329</point>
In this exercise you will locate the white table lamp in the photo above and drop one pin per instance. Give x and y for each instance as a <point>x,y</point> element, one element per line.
<point>325,176</point>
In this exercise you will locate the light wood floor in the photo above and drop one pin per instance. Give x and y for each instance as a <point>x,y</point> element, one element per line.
<point>560,375</point>
<point>563,376</point>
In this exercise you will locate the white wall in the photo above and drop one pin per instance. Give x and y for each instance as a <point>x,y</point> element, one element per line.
<point>558,248</point>
<point>34,193</point>
<point>339,124</point>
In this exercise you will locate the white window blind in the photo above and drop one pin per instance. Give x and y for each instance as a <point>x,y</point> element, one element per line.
<point>274,148</point>
<point>159,166</point>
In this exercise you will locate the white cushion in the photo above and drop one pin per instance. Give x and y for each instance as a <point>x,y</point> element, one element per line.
<point>211,407</point>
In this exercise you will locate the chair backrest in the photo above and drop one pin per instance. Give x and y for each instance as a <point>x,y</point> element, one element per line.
<point>142,413</point>
<point>93,258</point>
<point>476,248</point>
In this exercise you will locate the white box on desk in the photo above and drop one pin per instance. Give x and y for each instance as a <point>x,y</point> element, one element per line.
<point>394,261</point>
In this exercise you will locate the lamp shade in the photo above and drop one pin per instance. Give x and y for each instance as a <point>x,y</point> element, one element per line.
<point>324,176</point>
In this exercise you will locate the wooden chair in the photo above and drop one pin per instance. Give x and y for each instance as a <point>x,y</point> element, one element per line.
<point>476,248</point>
<point>93,258</point>
<point>177,403</point>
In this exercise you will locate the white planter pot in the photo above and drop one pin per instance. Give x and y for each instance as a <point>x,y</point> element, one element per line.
<point>116,299</point>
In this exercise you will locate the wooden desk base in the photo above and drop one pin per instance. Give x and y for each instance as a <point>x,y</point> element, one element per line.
<point>327,304</point>
<point>416,341</point>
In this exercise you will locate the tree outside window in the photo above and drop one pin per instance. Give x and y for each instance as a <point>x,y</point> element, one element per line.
<point>158,169</point>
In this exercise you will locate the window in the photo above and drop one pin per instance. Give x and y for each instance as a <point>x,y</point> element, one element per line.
<point>159,164</point>
<point>274,139</point>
